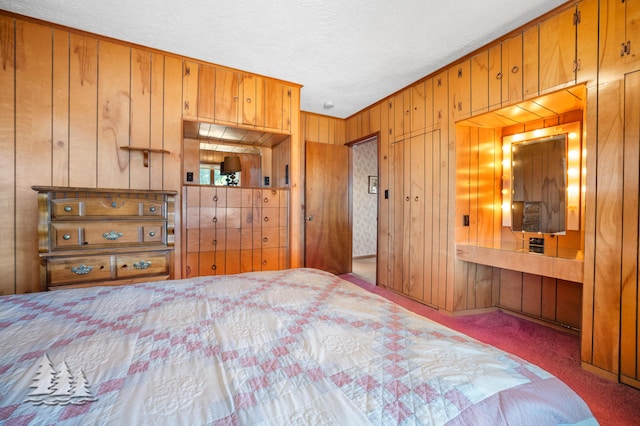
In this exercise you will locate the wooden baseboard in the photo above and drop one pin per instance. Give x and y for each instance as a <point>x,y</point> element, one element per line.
<point>600,372</point>
<point>630,381</point>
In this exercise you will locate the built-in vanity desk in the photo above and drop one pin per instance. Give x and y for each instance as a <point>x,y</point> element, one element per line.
<point>569,265</point>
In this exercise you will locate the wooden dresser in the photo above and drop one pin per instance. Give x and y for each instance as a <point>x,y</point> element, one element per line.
<point>94,236</point>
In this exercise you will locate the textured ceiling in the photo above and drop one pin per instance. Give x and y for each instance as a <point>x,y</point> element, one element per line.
<point>351,53</point>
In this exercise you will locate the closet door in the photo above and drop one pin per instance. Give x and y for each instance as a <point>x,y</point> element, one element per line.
<point>416,225</point>
<point>396,219</point>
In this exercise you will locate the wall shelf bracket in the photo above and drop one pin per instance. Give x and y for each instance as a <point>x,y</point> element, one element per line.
<point>145,152</point>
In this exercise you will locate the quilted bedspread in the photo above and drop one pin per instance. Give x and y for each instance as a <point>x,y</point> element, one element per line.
<point>295,347</point>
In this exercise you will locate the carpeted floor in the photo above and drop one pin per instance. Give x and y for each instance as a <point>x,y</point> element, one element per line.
<point>556,351</point>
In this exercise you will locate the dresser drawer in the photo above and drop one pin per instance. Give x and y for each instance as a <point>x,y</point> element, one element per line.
<point>70,208</point>
<point>139,264</point>
<point>78,269</point>
<point>69,235</point>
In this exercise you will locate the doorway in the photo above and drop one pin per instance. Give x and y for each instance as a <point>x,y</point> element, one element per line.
<point>364,205</point>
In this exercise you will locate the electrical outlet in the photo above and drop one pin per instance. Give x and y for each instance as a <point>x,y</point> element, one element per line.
<point>189,176</point>
<point>465,220</point>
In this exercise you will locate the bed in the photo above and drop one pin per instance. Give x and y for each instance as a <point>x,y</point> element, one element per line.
<point>293,347</point>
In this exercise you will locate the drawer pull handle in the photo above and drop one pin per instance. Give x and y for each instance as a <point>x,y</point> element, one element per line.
<point>266,218</point>
<point>215,198</point>
<point>152,234</point>
<point>112,235</point>
<point>66,237</point>
<point>215,219</point>
<point>67,209</point>
<point>265,239</point>
<point>152,209</point>
<point>81,269</point>
<point>214,242</point>
<point>266,200</point>
<point>143,264</point>
<point>515,69</point>
<point>214,267</point>
<point>114,204</point>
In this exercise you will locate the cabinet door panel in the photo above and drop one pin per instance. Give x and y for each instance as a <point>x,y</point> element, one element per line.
<point>418,107</point>
<point>274,106</point>
<point>226,96</point>
<point>557,50</point>
<point>530,62</point>
<point>249,102</point>
<point>495,76</point>
<point>460,90</point>
<point>512,70</point>
<point>190,89</point>
<point>206,92</point>
<point>480,82</point>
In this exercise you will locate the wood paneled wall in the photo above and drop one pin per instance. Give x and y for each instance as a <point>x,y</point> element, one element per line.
<point>545,55</point>
<point>68,101</point>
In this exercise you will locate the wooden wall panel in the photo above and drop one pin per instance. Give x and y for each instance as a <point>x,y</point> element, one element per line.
<point>630,298</point>
<point>60,109</point>
<point>156,121</point>
<point>7,155</point>
<point>83,111</point>
<point>33,141</point>
<point>139,118</point>
<point>114,106</point>
<point>608,232</point>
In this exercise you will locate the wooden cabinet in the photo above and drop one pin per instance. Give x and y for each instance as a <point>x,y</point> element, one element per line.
<point>460,90</point>
<point>512,75</point>
<point>557,49</point>
<point>619,36</point>
<point>243,100</point>
<point>91,236</point>
<point>231,230</point>
<point>190,89</point>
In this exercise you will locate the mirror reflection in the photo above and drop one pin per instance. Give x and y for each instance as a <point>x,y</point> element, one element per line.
<point>539,185</point>
<point>229,156</point>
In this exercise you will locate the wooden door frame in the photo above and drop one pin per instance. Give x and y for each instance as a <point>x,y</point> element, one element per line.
<point>365,139</point>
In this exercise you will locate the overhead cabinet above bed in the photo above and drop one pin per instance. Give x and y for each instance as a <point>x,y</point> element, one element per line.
<point>90,236</point>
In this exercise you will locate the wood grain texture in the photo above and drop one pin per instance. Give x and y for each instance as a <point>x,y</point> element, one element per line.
<point>557,50</point>
<point>327,202</point>
<point>7,155</point>
<point>33,135</point>
<point>629,297</point>
<point>114,115</point>
<point>83,110</point>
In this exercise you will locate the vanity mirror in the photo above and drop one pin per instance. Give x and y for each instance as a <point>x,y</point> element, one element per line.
<point>541,180</point>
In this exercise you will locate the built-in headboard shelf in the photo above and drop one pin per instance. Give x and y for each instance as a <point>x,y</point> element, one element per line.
<point>145,152</point>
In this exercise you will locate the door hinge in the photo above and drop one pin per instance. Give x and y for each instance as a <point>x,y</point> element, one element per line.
<point>289,92</point>
<point>186,105</point>
<point>187,70</point>
<point>576,17</point>
<point>625,48</point>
